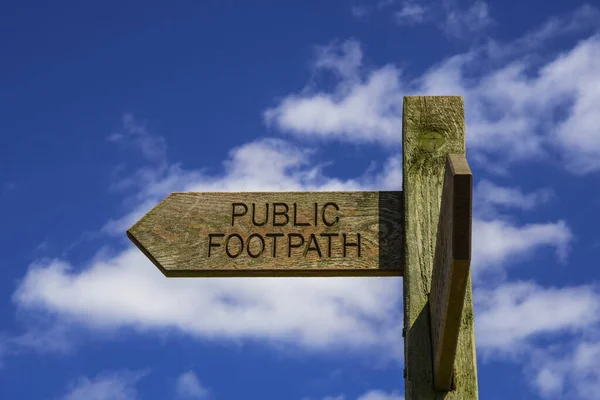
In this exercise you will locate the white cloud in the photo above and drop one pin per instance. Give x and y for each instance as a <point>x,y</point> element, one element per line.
<point>512,315</point>
<point>383,4</point>
<point>359,11</point>
<point>578,133</point>
<point>46,336</point>
<point>497,242</point>
<point>488,197</point>
<point>410,13</point>
<point>549,383</point>
<point>554,332</point>
<point>370,395</point>
<point>189,387</point>
<point>107,386</point>
<point>344,59</point>
<point>568,371</point>
<point>583,19</point>
<point>452,19</point>
<point>516,109</point>
<point>380,395</point>
<point>516,113</point>
<point>367,111</point>
<point>586,369</point>
<point>459,23</point>
<point>363,109</point>
<point>135,134</point>
<point>127,290</point>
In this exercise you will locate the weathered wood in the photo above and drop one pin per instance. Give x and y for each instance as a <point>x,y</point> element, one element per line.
<point>432,127</point>
<point>274,234</point>
<point>451,267</point>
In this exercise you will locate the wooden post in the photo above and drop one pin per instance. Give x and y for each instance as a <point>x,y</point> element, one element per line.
<point>432,127</point>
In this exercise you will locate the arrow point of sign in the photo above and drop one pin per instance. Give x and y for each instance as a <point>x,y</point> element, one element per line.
<point>143,249</point>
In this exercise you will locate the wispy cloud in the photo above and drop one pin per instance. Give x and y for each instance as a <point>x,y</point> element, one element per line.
<point>359,11</point>
<point>380,395</point>
<point>489,199</point>
<point>370,395</point>
<point>462,22</point>
<point>411,13</point>
<point>188,386</point>
<point>571,371</point>
<point>584,19</point>
<point>454,20</point>
<point>119,385</point>
<point>135,134</point>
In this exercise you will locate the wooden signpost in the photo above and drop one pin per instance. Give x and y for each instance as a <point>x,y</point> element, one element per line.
<point>422,233</point>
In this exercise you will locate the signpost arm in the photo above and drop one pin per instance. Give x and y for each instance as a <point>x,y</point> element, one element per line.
<point>432,127</point>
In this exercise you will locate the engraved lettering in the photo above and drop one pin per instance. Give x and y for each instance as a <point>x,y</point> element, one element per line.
<point>254,215</point>
<point>280,213</point>
<point>296,223</point>
<point>329,236</point>
<point>262,245</point>
<point>210,243</point>
<point>234,214</point>
<point>311,244</point>
<point>312,239</point>
<point>357,244</point>
<point>274,236</point>
<point>294,246</point>
<point>323,214</point>
<point>234,235</point>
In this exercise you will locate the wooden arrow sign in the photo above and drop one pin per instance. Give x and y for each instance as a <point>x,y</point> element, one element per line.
<point>274,234</point>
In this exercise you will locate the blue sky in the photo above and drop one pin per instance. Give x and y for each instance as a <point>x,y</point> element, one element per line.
<point>105,108</point>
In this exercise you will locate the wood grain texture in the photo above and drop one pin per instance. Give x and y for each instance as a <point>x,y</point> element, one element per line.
<point>433,126</point>
<point>450,268</point>
<point>283,234</point>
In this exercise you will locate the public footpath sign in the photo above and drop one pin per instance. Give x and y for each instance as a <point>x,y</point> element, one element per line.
<point>274,234</point>
<point>422,233</point>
